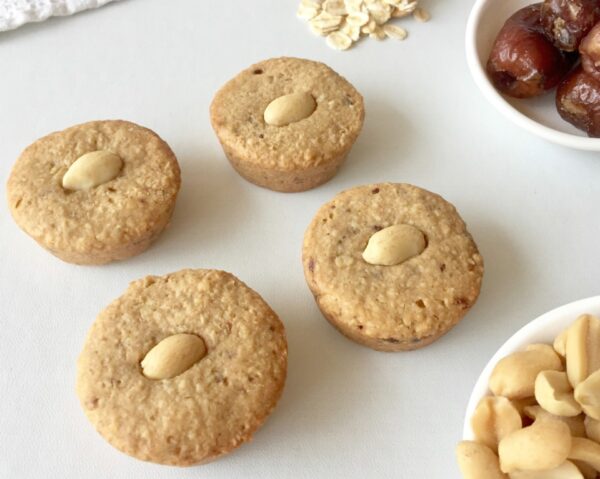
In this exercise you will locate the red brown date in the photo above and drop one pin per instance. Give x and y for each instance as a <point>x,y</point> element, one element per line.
<point>590,52</point>
<point>524,62</point>
<point>578,101</point>
<point>566,22</point>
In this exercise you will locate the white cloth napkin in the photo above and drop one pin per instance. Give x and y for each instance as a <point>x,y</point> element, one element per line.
<point>14,13</point>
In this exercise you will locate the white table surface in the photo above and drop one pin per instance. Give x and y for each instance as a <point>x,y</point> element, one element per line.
<point>346,411</point>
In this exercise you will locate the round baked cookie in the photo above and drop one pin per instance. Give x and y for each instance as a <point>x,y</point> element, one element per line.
<point>111,221</point>
<point>210,408</point>
<point>302,154</point>
<point>398,307</point>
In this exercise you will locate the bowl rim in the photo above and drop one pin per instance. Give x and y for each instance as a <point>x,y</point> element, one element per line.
<point>497,100</point>
<point>515,342</point>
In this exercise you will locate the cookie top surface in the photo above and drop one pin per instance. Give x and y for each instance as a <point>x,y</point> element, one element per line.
<point>237,114</point>
<point>209,409</point>
<point>122,211</point>
<point>409,302</point>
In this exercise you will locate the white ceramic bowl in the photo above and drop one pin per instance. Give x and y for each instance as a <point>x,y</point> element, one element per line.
<point>536,115</point>
<point>541,330</point>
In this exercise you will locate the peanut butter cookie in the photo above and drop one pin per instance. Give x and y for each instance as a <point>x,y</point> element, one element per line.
<point>287,124</point>
<point>182,368</point>
<point>96,192</point>
<point>392,266</point>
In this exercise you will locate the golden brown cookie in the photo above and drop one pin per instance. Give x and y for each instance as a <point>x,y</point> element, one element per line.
<point>397,307</point>
<point>326,114</point>
<point>211,405</point>
<point>118,218</point>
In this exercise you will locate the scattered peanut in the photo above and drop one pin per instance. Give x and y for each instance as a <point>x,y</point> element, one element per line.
<point>173,355</point>
<point>514,376</point>
<point>543,445</point>
<point>493,419</point>
<point>394,245</point>
<point>92,169</point>
<point>477,461</point>
<point>290,109</point>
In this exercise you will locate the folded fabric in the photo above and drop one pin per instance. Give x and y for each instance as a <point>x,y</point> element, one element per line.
<point>14,13</point>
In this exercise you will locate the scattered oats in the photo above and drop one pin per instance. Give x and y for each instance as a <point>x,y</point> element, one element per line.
<point>358,18</point>
<point>421,15</point>
<point>325,21</point>
<point>344,22</point>
<point>381,16</point>
<point>313,3</point>
<point>378,34</point>
<point>306,12</point>
<point>322,32</point>
<point>335,7</point>
<point>378,8</point>
<point>339,40</point>
<point>353,31</point>
<point>353,5</point>
<point>369,27</point>
<point>397,13</point>
<point>406,7</point>
<point>394,31</point>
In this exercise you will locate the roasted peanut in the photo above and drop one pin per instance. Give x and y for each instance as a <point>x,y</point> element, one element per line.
<point>583,348</point>
<point>592,428</point>
<point>575,424</point>
<point>543,445</point>
<point>493,419</point>
<point>560,343</point>
<point>477,461</point>
<point>587,451</point>
<point>522,404</point>
<point>567,470</point>
<point>514,376</point>
<point>587,393</point>
<point>555,394</point>
<point>587,471</point>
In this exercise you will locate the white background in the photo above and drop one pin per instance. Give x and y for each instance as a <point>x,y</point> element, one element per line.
<point>346,411</point>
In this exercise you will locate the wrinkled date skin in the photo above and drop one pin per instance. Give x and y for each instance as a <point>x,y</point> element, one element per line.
<point>524,62</point>
<point>566,22</point>
<point>578,101</point>
<point>590,52</point>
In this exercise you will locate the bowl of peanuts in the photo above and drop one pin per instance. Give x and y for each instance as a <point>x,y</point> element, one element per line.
<point>534,412</point>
